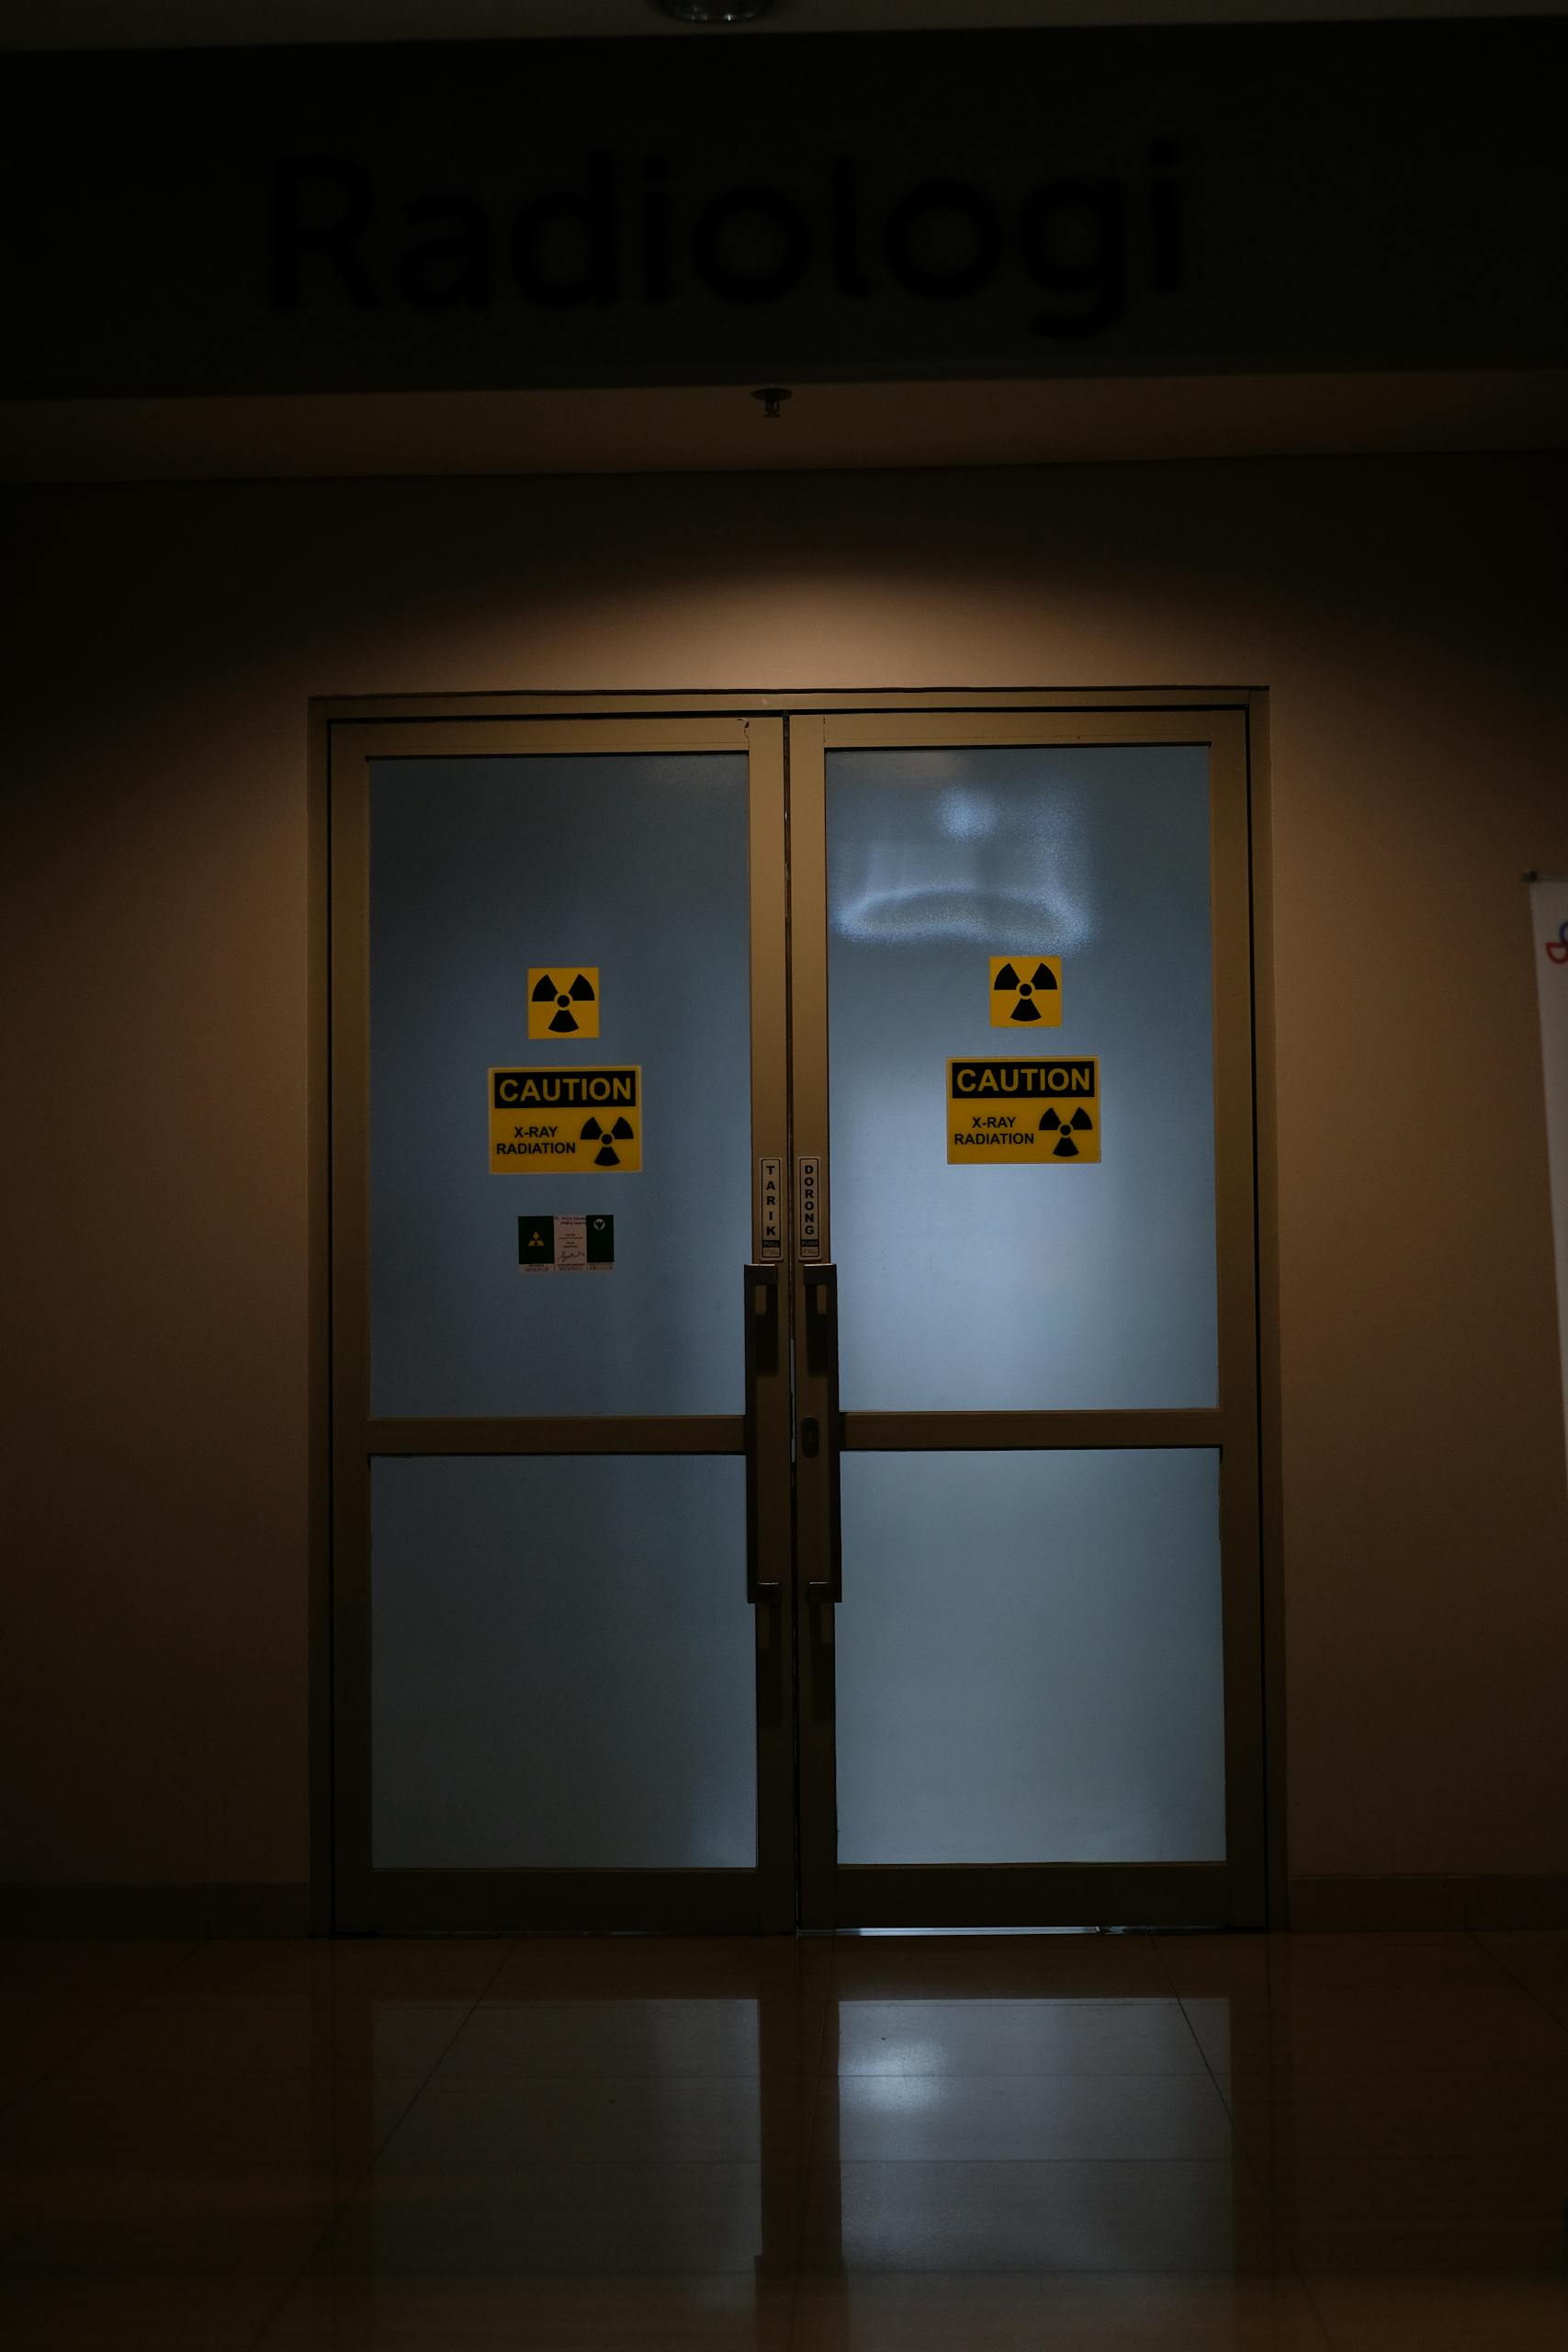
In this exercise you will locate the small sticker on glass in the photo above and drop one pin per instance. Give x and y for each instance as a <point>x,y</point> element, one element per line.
<point>566,1244</point>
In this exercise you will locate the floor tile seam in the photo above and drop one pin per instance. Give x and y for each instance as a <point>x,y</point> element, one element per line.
<point>821,2040</point>
<point>1238,2158</point>
<point>1191,2163</point>
<point>1314,2070</point>
<point>640,1998</point>
<point>469,2007</point>
<point>276,2310</point>
<point>1495,1959</point>
<point>477,2079</point>
<point>335,2205</point>
<point>767,2071</point>
<point>816,2035</point>
<point>800,2073</point>
<point>1038,2003</point>
<point>994,2015</point>
<point>195,1951</point>
<point>1185,2001</point>
<point>1330,2338</point>
<point>1278,2273</point>
<point>1522,2094</point>
<point>1534,1996</point>
<point>424,2088</point>
<point>1016,2074</point>
<point>187,1947</point>
<point>802,2162</point>
<point>1262,2172</point>
<point>952,1961</point>
<point>1162,1961</point>
<point>244,2079</point>
<point>110,2018</point>
<point>343,2191</point>
<point>1254,2169</point>
<point>1022,1997</point>
<point>343,1992</point>
<point>305,2004</point>
<point>792,2315</point>
<point>1283,1985</point>
<point>819,2268</point>
<point>557,2162</point>
<point>812,2110</point>
<point>779,2154</point>
<point>312,2176</point>
<point>336,2193</point>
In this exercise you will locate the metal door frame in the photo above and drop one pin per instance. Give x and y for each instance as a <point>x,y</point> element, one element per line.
<point>761,1897</point>
<point>788,948</point>
<point>1233,1893</point>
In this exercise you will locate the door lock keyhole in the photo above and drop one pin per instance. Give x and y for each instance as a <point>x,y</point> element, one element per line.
<point>810,1440</point>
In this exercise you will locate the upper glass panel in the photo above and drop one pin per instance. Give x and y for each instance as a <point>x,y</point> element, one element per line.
<point>486,870</point>
<point>1066,1266</point>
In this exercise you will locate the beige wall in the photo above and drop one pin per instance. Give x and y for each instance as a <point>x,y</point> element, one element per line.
<point>153,1707</point>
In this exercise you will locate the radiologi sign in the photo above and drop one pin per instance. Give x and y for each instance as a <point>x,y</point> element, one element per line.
<point>547,1121</point>
<point>1177,200</point>
<point>617,231</point>
<point>1001,1112</point>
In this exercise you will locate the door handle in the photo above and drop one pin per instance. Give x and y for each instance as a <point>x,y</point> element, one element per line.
<point>816,1443</point>
<point>766,1530</point>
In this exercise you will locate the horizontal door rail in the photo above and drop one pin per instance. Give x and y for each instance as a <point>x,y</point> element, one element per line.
<point>1034,1894</point>
<point>541,738</point>
<point>1003,1433</point>
<point>895,730</point>
<point>514,1902</point>
<point>576,1433</point>
<point>399,709</point>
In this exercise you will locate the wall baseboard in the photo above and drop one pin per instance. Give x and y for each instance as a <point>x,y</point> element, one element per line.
<point>1319,1905</point>
<point>1489,1900</point>
<point>193,1911</point>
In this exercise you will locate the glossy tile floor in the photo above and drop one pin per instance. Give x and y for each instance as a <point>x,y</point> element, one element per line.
<point>984,2144</point>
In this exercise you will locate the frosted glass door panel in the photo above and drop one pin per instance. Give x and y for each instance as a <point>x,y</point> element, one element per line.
<point>986,1286</point>
<point>1029,1659</point>
<point>481,869</point>
<point>562,1664</point>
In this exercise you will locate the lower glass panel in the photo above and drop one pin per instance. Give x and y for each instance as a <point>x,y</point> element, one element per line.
<point>1029,1659</point>
<point>562,1664</point>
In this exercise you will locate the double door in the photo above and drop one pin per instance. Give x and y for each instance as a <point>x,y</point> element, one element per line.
<point>793,1338</point>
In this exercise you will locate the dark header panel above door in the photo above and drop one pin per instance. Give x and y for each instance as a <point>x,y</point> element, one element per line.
<point>988,205</point>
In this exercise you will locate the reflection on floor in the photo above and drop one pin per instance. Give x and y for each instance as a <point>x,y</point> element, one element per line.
<point>982,2144</point>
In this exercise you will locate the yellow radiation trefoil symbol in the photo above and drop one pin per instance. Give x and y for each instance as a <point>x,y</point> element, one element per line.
<point>1025,990</point>
<point>563,1003</point>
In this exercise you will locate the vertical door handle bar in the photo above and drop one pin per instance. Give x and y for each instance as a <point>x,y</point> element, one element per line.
<point>819,1436</point>
<point>761,1363</point>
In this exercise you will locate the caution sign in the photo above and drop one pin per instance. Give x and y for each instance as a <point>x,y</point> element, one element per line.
<point>563,1003</point>
<point>1026,988</point>
<point>548,1121</point>
<point>566,1244</point>
<point>999,1112</point>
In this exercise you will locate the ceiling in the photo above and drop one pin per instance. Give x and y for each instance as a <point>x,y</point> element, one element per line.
<point>153,24</point>
<point>720,428</point>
